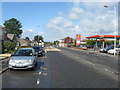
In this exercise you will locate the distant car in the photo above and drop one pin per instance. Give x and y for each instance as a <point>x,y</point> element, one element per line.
<point>23,58</point>
<point>106,49</point>
<point>90,46</point>
<point>84,47</point>
<point>38,50</point>
<point>115,50</point>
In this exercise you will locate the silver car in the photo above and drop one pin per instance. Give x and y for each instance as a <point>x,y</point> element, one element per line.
<point>23,58</point>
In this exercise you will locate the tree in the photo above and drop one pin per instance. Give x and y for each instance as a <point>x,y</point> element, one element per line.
<point>90,42</point>
<point>12,26</point>
<point>38,38</point>
<point>27,38</point>
<point>9,45</point>
<point>56,42</point>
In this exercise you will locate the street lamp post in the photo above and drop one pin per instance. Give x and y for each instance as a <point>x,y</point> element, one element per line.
<point>115,31</point>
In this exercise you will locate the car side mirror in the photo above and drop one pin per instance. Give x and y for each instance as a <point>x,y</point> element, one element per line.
<point>35,54</point>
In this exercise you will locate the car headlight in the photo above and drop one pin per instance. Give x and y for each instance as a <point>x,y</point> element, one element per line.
<point>11,61</point>
<point>30,60</point>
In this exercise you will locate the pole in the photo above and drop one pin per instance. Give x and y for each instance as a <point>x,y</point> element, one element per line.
<point>38,40</point>
<point>119,41</point>
<point>115,29</point>
<point>103,44</point>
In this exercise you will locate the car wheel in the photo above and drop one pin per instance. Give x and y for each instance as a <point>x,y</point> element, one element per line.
<point>33,68</point>
<point>36,64</point>
<point>10,69</point>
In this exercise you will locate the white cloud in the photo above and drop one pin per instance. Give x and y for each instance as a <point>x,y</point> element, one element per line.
<point>30,33</point>
<point>90,18</point>
<point>77,10</point>
<point>73,16</point>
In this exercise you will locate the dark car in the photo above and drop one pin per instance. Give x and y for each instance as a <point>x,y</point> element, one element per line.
<point>38,50</point>
<point>90,46</point>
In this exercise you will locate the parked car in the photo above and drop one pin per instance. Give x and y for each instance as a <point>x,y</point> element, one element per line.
<point>38,50</point>
<point>106,49</point>
<point>23,58</point>
<point>90,46</point>
<point>84,47</point>
<point>115,50</point>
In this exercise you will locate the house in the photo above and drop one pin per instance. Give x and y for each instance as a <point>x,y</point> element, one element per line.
<point>36,43</point>
<point>23,42</point>
<point>66,41</point>
<point>84,41</point>
<point>2,37</point>
<point>10,37</point>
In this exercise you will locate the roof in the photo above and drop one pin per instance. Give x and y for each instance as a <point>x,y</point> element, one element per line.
<point>10,36</point>
<point>104,36</point>
<point>22,40</point>
<point>68,37</point>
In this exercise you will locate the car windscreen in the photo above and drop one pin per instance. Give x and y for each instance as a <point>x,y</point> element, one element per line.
<point>36,48</point>
<point>23,53</point>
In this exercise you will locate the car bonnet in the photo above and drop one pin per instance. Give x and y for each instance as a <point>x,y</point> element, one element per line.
<point>21,57</point>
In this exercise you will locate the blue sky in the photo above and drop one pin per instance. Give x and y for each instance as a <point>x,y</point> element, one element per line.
<point>32,14</point>
<point>60,19</point>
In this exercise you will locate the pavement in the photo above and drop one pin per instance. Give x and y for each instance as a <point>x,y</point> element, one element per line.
<point>3,56</point>
<point>66,68</point>
<point>4,64</point>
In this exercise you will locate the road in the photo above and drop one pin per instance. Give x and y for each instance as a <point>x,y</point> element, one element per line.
<point>66,68</point>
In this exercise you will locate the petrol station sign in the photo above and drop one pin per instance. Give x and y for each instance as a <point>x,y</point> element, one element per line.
<point>78,37</point>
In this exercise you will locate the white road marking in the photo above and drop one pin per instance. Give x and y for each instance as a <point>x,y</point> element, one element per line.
<point>77,57</point>
<point>106,69</point>
<point>91,63</point>
<point>38,81</point>
<point>109,71</point>
<point>112,72</point>
<point>39,72</point>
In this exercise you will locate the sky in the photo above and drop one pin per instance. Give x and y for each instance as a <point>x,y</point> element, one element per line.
<point>57,20</point>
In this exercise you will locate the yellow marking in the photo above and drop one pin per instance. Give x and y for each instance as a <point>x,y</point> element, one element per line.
<point>52,49</point>
<point>45,69</point>
<point>44,74</point>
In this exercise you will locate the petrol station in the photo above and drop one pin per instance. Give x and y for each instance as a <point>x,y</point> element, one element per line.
<point>102,37</point>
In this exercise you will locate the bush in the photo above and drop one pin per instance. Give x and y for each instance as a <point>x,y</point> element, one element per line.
<point>71,45</point>
<point>90,42</point>
<point>9,46</point>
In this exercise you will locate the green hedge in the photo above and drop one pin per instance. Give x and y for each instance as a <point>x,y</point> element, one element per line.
<point>72,45</point>
<point>9,47</point>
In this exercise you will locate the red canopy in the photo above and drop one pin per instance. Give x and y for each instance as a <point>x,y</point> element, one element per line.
<point>104,36</point>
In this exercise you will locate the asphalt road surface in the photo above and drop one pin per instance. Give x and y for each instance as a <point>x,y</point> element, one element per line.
<point>65,68</point>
